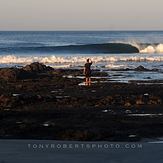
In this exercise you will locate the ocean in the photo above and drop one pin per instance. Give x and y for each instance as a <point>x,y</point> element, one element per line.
<point>108,50</point>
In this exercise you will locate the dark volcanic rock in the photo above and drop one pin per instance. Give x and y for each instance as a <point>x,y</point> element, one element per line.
<point>13,74</point>
<point>76,72</point>
<point>9,73</point>
<point>99,74</point>
<point>49,106</point>
<point>129,101</point>
<point>37,67</point>
<point>28,72</point>
<point>141,68</point>
<point>154,101</point>
<point>5,101</point>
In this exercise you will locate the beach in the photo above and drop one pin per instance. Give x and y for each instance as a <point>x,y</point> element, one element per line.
<point>39,102</point>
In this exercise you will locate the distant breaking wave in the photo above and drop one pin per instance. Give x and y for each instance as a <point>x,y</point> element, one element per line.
<point>106,48</point>
<point>147,48</point>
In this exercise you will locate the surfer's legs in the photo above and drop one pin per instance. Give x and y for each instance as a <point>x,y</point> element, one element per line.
<point>89,81</point>
<point>86,81</point>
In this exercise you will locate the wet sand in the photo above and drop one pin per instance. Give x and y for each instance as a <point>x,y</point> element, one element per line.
<point>46,104</point>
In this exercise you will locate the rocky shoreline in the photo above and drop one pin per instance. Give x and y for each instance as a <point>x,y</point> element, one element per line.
<point>39,102</point>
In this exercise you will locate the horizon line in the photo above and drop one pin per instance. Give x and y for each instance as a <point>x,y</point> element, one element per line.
<point>88,30</point>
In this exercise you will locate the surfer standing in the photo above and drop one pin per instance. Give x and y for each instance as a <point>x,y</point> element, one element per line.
<point>87,72</point>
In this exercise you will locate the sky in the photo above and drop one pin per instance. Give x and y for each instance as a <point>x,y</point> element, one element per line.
<point>81,15</point>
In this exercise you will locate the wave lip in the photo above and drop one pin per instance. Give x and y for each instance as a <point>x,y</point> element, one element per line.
<point>100,48</point>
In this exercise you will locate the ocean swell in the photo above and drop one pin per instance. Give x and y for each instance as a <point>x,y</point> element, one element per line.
<point>108,48</point>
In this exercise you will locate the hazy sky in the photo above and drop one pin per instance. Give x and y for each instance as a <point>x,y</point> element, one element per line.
<point>81,14</point>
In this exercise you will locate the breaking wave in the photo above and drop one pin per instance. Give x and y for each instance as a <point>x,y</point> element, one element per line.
<point>109,48</point>
<point>157,48</point>
<point>106,48</point>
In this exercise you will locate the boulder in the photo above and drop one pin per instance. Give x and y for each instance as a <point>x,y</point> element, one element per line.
<point>127,104</point>
<point>5,101</point>
<point>141,68</point>
<point>139,101</point>
<point>153,100</point>
<point>37,67</point>
<point>148,100</point>
<point>12,74</point>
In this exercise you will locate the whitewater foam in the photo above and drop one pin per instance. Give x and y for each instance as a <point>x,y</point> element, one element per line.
<point>12,59</point>
<point>145,47</point>
<point>152,49</point>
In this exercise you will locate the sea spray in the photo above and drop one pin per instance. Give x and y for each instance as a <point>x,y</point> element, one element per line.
<point>153,49</point>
